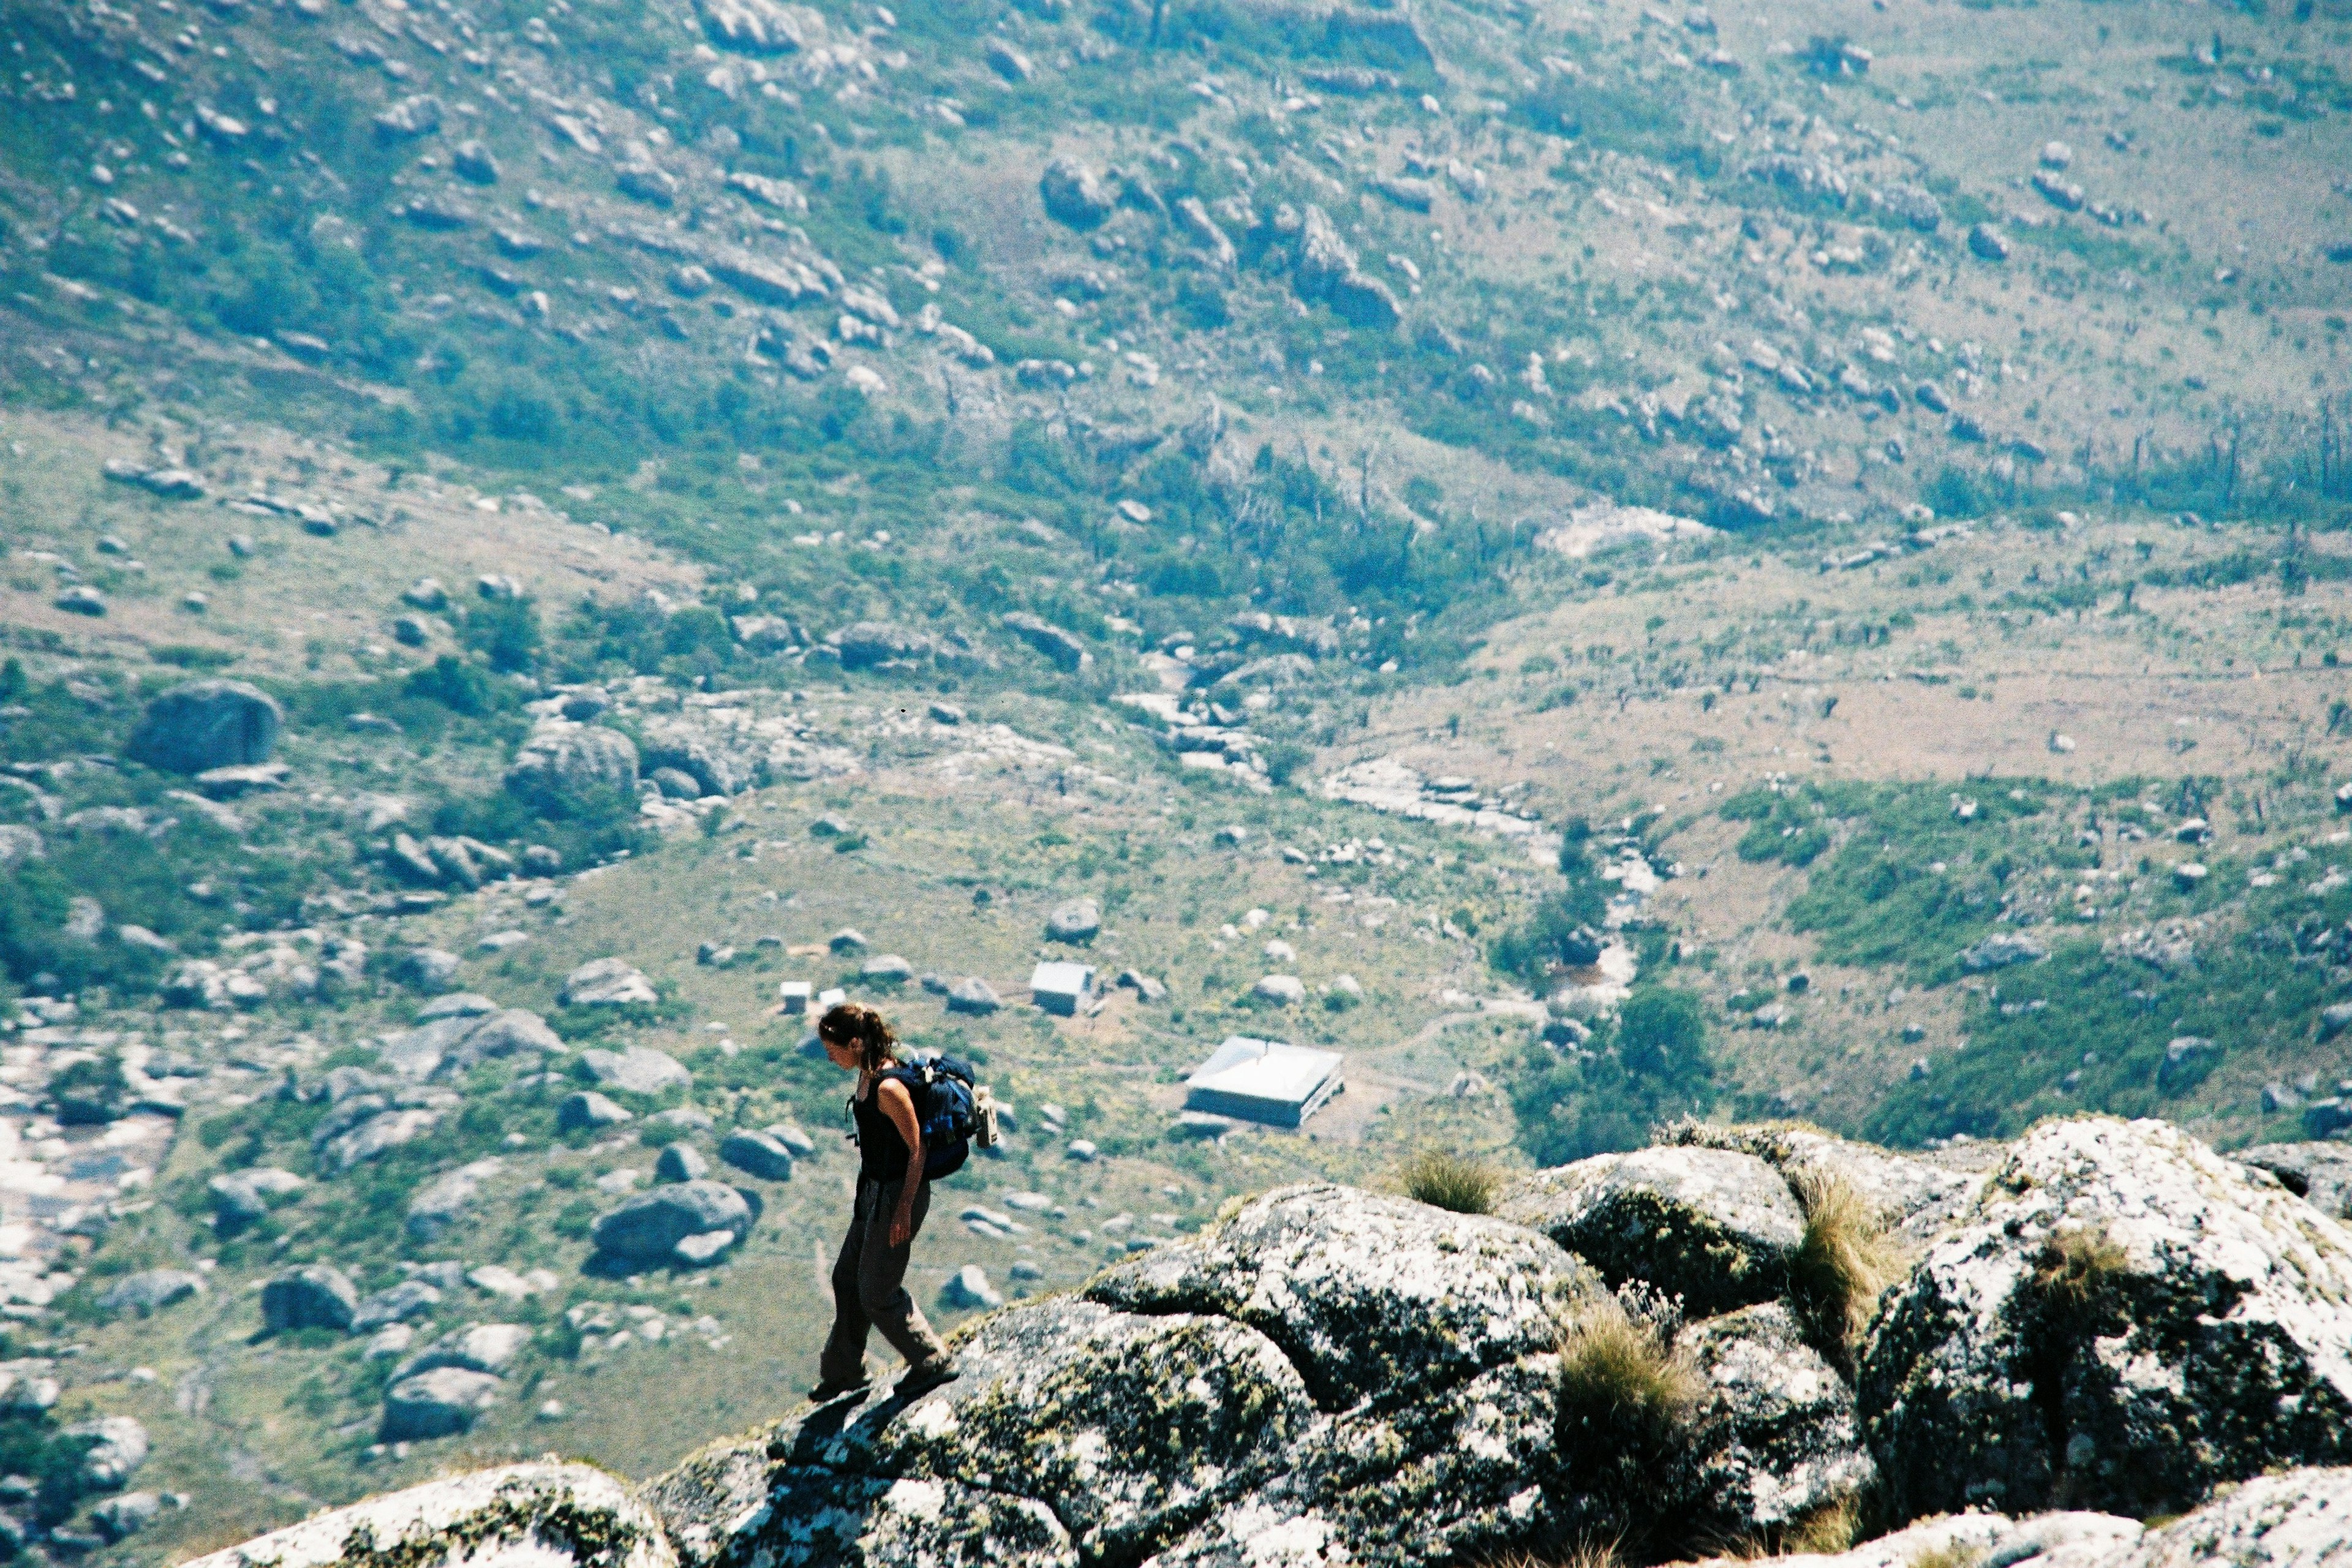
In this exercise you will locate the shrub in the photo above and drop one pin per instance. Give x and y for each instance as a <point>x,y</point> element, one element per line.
<point>1454,1183</point>
<point>1843,1264</point>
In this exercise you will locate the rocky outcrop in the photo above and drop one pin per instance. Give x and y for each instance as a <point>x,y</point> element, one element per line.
<point>1330,1372</point>
<point>2126,1319</point>
<point>537,1513</point>
<point>1327,270</point>
<point>2114,1315</point>
<point>207,725</point>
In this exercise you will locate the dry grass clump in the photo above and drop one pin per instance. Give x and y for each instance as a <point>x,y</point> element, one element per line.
<point>1845,1260</point>
<point>1826,1530</point>
<point>1455,1183</point>
<point>1579,1555</point>
<point>2076,1267</point>
<point>1951,1554</point>
<point>1616,1374</point>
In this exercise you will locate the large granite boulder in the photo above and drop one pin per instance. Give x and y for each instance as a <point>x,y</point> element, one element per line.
<point>2126,1319</point>
<point>207,725</point>
<point>648,1227</point>
<point>563,763</point>
<point>538,1515</point>
<point>1776,1440</point>
<point>1717,1228</point>
<point>310,1296</point>
<point>439,1403</point>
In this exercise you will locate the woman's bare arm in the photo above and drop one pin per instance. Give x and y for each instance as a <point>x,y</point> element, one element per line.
<point>899,1106</point>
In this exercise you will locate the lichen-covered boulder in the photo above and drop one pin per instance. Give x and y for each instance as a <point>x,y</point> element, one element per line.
<point>1716,1227</point>
<point>1777,1438</point>
<point>1915,1197</point>
<point>2126,1319</point>
<point>2296,1518</point>
<point>516,1515</point>
<point>1372,1297</point>
<point>1466,1474</point>
<point>1124,1429</point>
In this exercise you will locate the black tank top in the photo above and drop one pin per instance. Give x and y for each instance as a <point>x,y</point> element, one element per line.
<point>881,1152</point>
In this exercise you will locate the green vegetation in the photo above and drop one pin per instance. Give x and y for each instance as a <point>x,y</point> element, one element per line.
<point>1647,1064</point>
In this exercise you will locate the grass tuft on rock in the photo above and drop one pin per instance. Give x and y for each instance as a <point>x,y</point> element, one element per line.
<point>1846,1261</point>
<point>2076,1267</point>
<point>1951,1554</point>
<point>1618,1374</point>
<point>1455,1183</point>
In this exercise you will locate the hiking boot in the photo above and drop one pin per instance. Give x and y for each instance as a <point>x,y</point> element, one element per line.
<point>917,1381</point>
<point>826,1393</point>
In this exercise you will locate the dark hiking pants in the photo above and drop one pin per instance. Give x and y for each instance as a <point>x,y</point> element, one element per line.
<point>869,1288</point>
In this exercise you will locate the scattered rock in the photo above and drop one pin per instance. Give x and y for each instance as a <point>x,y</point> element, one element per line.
<point>635,1069</point>
<point>1063,649</point>
<point>573,763</point>
<point>587,1110</point>
<point>437,1403</point>
<point>974,996</point>
<point>761,1154</point>
<point>607,983</point>
<point>968,1288</point>
<point>868,644</point>
<point>2000,951</point>
<point>207,725</point>
<point>1073,194</point>
<point>645,1229</point>
<point>1076,920</point>
<point>118,1446</point>
<point>1280,990</point>
<point>443,1202</point>
<point>311,1296</point>
<point>398,1304</point>
<point>680,1162</point>
<point>150,1291</point>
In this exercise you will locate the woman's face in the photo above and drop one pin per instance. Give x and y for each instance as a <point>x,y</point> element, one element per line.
<point>841,1054</point>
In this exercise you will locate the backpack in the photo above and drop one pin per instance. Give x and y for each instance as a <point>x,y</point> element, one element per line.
<point>953,1111</point>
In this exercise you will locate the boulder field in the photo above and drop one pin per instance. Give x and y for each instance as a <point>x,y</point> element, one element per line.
<point>1743,1340</point>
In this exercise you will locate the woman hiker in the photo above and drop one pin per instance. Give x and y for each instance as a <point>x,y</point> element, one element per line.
<point>869,1278</point>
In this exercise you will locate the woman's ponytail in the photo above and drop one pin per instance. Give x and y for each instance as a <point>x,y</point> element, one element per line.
<point>854,1024</point>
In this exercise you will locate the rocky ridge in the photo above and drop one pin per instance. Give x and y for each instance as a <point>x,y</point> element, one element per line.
<point>1330,1375</point>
